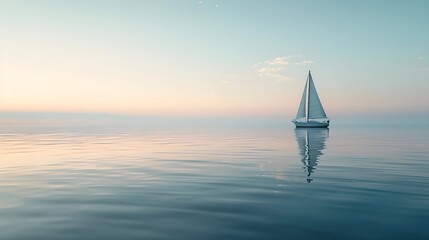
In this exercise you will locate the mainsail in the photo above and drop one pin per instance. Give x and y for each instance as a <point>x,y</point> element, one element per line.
<point>310,106</point>
<point>315,109</point>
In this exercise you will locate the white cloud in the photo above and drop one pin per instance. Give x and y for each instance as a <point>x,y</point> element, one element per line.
<point>277,68</point>
<point>276,76</point>
<point>264,70</point>
<point>278,61</point>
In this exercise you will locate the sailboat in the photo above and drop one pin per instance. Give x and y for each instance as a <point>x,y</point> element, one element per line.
<point>310,111</point>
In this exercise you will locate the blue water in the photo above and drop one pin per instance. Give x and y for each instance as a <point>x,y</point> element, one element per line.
<point>77,181</point>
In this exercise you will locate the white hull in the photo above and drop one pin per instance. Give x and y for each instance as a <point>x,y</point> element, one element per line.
<point>311,124</point>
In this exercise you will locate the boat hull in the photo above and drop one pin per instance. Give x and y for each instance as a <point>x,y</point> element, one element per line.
<point>311,124</point>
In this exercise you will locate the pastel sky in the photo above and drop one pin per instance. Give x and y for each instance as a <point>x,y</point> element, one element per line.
<point>213,57</point>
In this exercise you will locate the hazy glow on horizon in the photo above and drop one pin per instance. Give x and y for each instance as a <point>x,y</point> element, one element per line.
<point>213,57</point>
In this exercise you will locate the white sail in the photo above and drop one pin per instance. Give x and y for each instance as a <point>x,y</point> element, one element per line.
<point>302,106</point>
<point>310,112</point>
<point>315,108</point>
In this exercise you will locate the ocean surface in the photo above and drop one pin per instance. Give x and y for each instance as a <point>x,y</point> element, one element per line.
<point>241,181</point>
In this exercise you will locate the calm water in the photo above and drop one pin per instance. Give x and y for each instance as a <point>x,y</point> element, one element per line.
<point>349,182</point>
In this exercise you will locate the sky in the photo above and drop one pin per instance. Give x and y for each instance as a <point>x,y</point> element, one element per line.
<point>213,57</point>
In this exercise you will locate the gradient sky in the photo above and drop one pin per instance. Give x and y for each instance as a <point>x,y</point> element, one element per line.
<point>214,57</point>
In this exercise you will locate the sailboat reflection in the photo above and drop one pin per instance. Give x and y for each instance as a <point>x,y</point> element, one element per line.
<point>311,142</point>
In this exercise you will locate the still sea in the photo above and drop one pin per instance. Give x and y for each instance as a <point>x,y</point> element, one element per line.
<point>187,181</point>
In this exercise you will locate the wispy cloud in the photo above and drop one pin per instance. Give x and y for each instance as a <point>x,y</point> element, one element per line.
<point>277,68</point>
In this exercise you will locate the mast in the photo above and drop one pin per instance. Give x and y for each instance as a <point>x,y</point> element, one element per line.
<point>307,100</point>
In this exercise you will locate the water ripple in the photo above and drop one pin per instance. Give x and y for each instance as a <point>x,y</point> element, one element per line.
<point>213,185</point>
